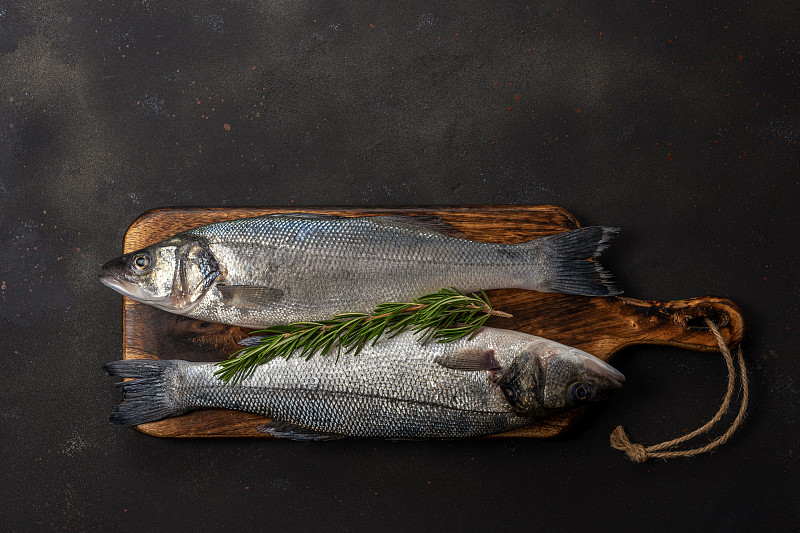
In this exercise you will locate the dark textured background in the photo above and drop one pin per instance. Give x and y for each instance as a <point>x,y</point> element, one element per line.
<point>676,121</point>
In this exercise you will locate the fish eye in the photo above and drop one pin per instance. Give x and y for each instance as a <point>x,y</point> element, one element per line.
<point>580,391</point>
<point>141,262</point>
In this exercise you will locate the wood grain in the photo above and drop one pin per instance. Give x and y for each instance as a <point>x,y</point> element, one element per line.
<point>600,326</point>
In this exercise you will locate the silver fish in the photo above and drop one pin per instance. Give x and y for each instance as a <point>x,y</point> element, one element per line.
<point>284,268</point>
<point>497,381</point>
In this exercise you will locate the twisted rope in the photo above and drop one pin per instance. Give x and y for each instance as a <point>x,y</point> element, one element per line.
<point>639,453</point>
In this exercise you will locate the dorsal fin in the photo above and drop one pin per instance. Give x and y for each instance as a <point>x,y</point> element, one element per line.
<point>303,216</point>
<point>426,222</point>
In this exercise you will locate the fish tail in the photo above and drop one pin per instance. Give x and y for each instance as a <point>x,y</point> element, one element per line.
<point>571,273</point>
<point>151,395</point>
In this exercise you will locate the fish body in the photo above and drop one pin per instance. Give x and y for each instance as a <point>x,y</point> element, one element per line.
<point>278,269</point>
<point>497,381</point>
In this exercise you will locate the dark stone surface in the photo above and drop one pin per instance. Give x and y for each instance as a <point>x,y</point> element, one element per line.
<point>676,121</point>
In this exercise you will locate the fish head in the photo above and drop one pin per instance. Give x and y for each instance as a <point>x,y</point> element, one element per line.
<point>550,377</point>
<point>172,275</point>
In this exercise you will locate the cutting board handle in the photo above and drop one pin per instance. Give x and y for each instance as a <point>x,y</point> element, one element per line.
<point>682,322</point>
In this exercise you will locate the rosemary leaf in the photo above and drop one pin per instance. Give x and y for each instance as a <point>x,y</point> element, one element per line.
<point>443,316</point>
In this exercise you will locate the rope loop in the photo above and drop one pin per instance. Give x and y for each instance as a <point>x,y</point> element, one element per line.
<point>639,453</point>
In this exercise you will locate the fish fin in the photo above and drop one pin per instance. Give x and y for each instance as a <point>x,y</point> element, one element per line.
<point>148,397</point>
<point>470,360</point>
<point>569,270</point>
<point>426,222</point>
<point>304,216</point>
<point>252,340</point>
<point>248,296</point>
<point>287,430</point>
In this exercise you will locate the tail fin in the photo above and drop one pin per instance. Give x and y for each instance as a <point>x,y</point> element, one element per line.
<point>149,397</point>
<point>567,255</point>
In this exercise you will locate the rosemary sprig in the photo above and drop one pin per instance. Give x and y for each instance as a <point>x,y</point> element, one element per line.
<point>444,316</point>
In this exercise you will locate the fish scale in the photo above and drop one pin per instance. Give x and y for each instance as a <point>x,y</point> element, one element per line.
<point>397,388</point>
<point>336,254</point>
<point>313,262</point>
<point>274,270</point>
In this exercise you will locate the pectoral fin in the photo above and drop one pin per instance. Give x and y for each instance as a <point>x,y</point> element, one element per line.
<point>287,430</point>
<point>470,360</point>
<point>249,297</point>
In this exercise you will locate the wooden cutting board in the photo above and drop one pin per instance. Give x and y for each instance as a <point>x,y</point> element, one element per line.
<point>600,326</point>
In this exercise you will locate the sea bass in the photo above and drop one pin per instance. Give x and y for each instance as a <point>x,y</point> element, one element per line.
<point>398,388</point>
<point>284,268</point>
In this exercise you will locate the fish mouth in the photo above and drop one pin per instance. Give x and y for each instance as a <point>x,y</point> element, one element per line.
<point>112,282</point>
<point>612,379</point>
<point>110,277</point>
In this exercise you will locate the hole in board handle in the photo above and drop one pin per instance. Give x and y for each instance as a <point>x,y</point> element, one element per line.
<point>699,322</point>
